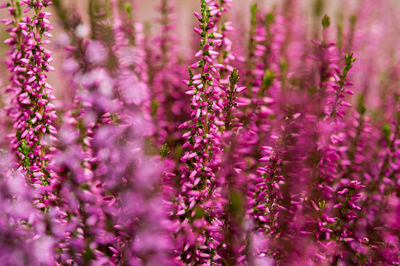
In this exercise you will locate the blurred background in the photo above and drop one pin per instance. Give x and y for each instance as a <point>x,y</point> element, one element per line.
<point>383,22</point>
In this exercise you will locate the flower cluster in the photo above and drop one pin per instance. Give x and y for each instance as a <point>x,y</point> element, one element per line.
<point>200,204</point>
<point>276,143</point>
<point>31,109</point>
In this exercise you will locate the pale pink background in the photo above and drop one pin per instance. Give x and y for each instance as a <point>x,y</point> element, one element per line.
<point>145,11</point>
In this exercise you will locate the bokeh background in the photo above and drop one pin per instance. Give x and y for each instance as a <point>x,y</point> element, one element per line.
<point>384,26</point>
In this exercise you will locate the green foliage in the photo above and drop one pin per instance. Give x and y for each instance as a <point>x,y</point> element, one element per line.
<point>283,66</point>
<point>318,7</point>
<point>340,35</point>
<point>128,7</point>
<point>236,203</point>
<point>190,72</point>
<point>164,150</point>
<point>349,60</point>
<point>386,131</point>
<point>353,20</point>
<point>234,77</point>
<point>199,213</point>
<point>88,255</point>
<point>321,204</point>
<point>254,11</point>
<point>326,21</point>
<point>25,149</point>
<point>268,79</point>
<point>154,107</point>
<point>270,18</point>
<point>361,109</point>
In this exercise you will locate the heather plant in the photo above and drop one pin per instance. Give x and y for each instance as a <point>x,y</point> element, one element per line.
<point>274,139</point>
<point>31,109</point>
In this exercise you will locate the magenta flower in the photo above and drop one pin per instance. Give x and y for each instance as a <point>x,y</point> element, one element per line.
<point>31,109</point>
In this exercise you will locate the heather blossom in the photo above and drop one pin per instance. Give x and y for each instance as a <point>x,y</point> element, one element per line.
<point>200,203</point>
<point>279,144</point>
<point>31,109</point>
